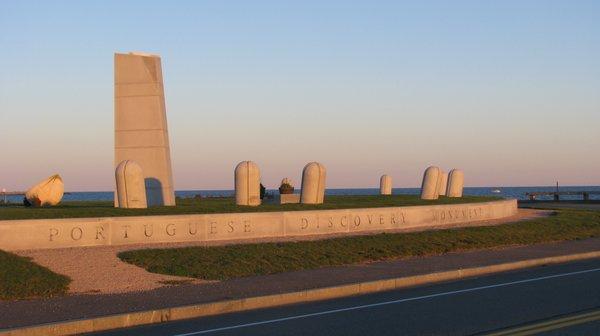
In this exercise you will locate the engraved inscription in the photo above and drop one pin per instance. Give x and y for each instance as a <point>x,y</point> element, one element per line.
<point>148,230</point>
<point>240,226</point>
<point>366,221</point>
<point>304,223</point>
<point>342,224</point>
<point>230,227</point>
<point>125,230</point>
<point>53,233</point>
<point>76,233</point>
<point>170,229</point>
<point>99,232</point>
<point>193,228</point>
<point>458,214</point>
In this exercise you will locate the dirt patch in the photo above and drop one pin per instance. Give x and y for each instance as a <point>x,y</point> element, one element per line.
<point>97,270</point>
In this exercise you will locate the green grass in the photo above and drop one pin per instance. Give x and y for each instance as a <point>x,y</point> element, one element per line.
<point>20,278</point>
<point>233,261</point>
<point>217,205</point>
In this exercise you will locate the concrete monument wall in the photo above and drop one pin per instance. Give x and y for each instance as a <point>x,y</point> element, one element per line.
<point>141,131</point>
<point>73,232</point>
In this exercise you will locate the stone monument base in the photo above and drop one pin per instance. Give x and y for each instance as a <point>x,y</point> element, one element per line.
<point>74,232</point>
<point>283,199</point>
<point>289,198</point>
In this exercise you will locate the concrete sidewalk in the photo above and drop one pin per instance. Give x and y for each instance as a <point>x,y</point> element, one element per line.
<point>572,205</point>
<point>33,312</point>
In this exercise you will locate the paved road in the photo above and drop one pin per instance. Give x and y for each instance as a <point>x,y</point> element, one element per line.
<point>555,300</point>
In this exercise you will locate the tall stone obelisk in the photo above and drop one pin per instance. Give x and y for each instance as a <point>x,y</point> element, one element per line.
<point>141,131</point>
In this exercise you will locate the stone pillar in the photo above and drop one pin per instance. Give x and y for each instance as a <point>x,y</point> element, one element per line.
<point>141,131</point>
<point>385,185</point>
<point>313,184</point>
<point>442,183</point>
<point>429,187</point>
<point>247,184</point>
<point>131,190</point>
<point>456,183</point>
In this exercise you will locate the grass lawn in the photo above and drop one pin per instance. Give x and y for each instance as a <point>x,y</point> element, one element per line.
<point>226,262</point>
<point>218,205</point>
<point>20,278</point>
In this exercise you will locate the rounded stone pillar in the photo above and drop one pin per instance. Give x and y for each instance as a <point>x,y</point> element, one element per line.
<point>456,183</point>
<point>131,189</point>
<point>385,185</point>
<point>429,187</point>
<point>442,183</point>
<point>247,184</point>
<point>313,184</point>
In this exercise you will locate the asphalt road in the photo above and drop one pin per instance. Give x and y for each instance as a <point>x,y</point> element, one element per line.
<point>552,300</point>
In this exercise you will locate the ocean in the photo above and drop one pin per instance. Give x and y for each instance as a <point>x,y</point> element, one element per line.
<point>506,192</point>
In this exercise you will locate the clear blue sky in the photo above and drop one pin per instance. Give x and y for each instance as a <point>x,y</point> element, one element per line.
<point>507,90</point>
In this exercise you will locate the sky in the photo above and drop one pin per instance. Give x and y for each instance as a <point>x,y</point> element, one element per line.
<point>508,91</point>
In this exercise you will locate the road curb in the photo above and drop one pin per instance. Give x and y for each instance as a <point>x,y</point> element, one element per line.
<point>236,305</point>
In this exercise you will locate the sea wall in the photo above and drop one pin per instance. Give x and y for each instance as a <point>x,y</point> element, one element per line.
<point>73,232</point>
